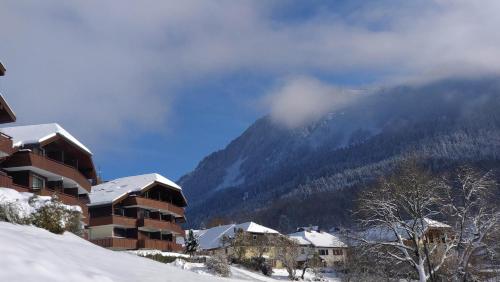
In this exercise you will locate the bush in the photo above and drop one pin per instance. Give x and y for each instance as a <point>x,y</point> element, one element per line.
<point>10,212</point>
<point>56,217</point>
<point>219,265</point>
<point>257,264</point>
<point>161,258</point>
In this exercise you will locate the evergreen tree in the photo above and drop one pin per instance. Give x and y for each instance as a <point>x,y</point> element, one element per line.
<point>191,243</point>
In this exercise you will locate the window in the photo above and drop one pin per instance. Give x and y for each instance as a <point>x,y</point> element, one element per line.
<point>119,211</point>
<point>38,182</point>
<point>255,237</point>
<point>146,214</point>
<point>323,252</point>
<point>337,252</point>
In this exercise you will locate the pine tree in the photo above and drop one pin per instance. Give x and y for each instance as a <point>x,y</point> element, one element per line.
<point>191,243</point>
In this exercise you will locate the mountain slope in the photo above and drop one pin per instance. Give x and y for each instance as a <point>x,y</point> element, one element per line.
<point>287,177</point>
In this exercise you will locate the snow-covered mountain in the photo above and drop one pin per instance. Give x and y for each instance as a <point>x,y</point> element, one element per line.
<point>287,177</point>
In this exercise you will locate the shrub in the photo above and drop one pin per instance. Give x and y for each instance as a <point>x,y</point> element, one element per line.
<point>219,265</point>
<point>50,217</point>
<point>257,264</point>
<point>10,212</point>
<point>56,217</point>
<point>161,258</point>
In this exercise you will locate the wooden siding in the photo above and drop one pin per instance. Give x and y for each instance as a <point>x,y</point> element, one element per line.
<point>154,204</point>
<point>116,243</point>
<point>115,220</point>
<point>160,225</point>
<point>159,245</point>
<point>6,144</point>
<point>27,158</point>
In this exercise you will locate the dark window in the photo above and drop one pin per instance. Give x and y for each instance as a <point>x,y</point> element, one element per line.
<point>38,182</point>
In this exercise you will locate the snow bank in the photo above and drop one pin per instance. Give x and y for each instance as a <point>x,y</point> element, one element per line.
<point>33,254</point>
<point>157,252</point>
<point>25,207</point>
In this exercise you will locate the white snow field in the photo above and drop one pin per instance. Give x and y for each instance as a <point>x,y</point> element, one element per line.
<point>29,253</point>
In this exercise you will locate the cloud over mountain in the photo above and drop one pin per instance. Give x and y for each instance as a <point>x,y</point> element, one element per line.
<point>107,68</point>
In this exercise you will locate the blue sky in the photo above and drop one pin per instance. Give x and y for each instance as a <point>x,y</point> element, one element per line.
<point>154,86</point>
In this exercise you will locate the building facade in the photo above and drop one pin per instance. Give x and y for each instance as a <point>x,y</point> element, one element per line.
<point>137,212</point>
<point>243,241</point>
<point>329,247</point>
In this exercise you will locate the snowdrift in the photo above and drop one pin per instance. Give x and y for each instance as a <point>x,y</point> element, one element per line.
<point>33,254</point>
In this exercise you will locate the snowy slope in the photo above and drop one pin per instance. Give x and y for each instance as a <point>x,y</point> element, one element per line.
<point>32,254</point>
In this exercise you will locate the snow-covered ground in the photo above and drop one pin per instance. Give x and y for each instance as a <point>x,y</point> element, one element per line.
<point>28,253</point>
<point>240,273</point>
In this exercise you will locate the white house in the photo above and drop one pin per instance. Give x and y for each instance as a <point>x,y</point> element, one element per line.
<point>330,248</point>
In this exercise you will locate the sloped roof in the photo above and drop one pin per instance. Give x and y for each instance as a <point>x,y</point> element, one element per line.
<point>111,191</point>
<point>6,114</point>
<point>384,233</point>
<point>318,239</point>
<point>35,134</point>
<point>211,238</point>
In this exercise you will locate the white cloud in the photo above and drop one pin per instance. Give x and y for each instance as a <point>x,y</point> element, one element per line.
<point>301,100</point>
<point>100,67</point>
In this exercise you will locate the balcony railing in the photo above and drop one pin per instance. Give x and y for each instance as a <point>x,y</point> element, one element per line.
<point>159,245</point>
<point>27,158</point>
<point>116,243</point>
<point>113,219</point>
<point>159,225</point>
<point>154,204</point>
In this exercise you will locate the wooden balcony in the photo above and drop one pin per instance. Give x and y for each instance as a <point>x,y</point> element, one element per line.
<point>155,224</point>
<point>27,158</point>
<point>154,204</point>
<point>5,145</point>
<point>113,219</point>
<point>116,243</point>
<point>159,245</point>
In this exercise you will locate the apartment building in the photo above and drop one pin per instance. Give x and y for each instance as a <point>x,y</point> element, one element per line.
<point>44,159</point>
<point>137,212</point>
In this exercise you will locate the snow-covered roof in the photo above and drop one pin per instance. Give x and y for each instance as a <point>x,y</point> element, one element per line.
<point>112,190</point>
<point>317,239</point>
<point>384,233</point>
<point>212,238</point>
<point>34,134</point>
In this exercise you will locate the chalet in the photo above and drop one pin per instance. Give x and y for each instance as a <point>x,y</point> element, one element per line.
<point>44,159</point>
<point>137,212</point>
<point>432,231</point>
<point>48,160</point>
<point>6,116</point>
<point>330,248</point>
<point>257,238</point>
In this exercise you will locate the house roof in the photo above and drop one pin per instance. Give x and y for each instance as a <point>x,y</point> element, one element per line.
<point>6,112</point>
<point>384,233</point>
<point>35,134</point>
<point>317,239</point>
<point>211,238</point>
<point>2,70</point>
<point>113,190</point>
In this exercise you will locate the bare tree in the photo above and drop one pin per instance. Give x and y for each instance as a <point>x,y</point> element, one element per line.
<point>397,214</point>
<point>472,204</point>
<point>287,252</point>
